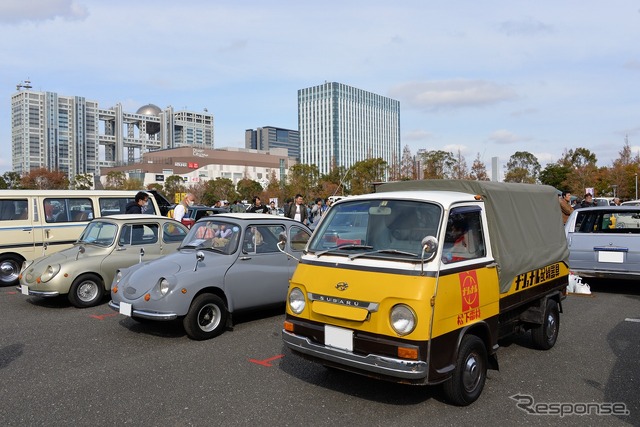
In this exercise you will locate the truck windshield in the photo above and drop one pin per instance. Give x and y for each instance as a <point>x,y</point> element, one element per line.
<point>378,228</point>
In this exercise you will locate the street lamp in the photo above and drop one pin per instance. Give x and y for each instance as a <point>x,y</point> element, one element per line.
<point>614,190</point>
<point>636,186</point>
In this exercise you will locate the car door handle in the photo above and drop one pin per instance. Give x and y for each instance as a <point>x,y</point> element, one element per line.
<point>27,229</point>
<point>244,258</point>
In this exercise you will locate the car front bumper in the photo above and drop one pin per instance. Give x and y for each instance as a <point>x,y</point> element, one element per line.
<point>394,369</point>
<point>145,314</point>
<point>25,290</point>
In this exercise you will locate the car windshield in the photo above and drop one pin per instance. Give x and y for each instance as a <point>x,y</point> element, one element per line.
<point>218,236</point>
<point>99,233</point>
<point>376,228</point>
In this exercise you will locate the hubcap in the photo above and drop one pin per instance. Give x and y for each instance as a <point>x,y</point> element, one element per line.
<point>209,317</point>
<point>87,291</point>
<point>471,373</point>
<point>551,326</point>
<point>9,271</point>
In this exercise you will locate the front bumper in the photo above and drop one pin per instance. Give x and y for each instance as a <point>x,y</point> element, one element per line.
<point>385,367</point>
<point>45,294</point>
<point>145,314</point>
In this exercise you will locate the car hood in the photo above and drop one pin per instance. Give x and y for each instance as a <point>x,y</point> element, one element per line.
<point>141,278</point>
<point>69,255</point>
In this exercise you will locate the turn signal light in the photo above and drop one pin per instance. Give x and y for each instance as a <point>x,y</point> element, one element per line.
<point>288,326</point>
<point>183,290</point>
<point>38,280</point>
<point>408,353</point>
<point>114,289</point>
<point>147,297</point>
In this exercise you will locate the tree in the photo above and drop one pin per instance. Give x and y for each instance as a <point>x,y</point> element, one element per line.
<point>83,181</point>
<point>10,180</point>
<point>218,189</point>
<point>522,167</point>
<point>459,169</point>
<point>333,182</point>
<point>303,179</point>
<point>44,179</point>
<point>478,170</point>
<point>407,165</point>
<point>438,164</point>
<point>555,175</point>
<point>248,188</point>
<point>115,181</point>
<point>364,173</point>
<point>173,185</point>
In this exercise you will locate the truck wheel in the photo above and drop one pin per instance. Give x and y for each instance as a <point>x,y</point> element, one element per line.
<point>545,336</point>
<point>467,381</point>
<point>206,318</point>
<point>86,291</point>
<point>10,270</point>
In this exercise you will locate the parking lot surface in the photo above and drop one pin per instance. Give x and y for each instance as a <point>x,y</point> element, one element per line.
<point>60,365</point>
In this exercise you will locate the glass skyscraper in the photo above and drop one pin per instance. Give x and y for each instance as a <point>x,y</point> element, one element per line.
<point>341,125</point>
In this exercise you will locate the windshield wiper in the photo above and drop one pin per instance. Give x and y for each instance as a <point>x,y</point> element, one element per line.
<point>343,247</point>
<point>383,251</point>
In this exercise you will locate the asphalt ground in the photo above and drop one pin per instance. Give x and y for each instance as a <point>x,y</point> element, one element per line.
<point>60,365</point>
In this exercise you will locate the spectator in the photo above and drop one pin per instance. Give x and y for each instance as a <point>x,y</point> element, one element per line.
<point>298,211</point>
<point>181,210</point>
<point>587,202</point>
<point>565,206</point>
<point>272,208</point>
<point>237,207</point>
<point>257,206</point>
<point>615,201</point>
<point>137,205</point>
<point>317,210</point>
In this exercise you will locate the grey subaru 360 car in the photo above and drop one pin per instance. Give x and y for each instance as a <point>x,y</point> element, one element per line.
<point>227,263</point>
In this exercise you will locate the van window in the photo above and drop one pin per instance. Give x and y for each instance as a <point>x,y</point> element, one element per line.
<point>68,210</point>
<point>15,209</point>
<point>118,205</point>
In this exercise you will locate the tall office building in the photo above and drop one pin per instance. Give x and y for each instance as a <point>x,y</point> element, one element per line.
<point>75,136</point>
<point>269,137</point>
<point>341,125</point>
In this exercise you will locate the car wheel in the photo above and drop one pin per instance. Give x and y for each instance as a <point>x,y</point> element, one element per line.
<point>10,270</point>
<point>544,336</point>
<point>207,317</point>
<point>470,373</point>
<point>86,291</point>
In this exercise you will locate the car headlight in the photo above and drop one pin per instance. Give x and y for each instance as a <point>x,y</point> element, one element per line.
<point>296,301</point>
<point>403,319</point>
<point>49,272</point>
<point>117,277</point>
<point>163,286</point>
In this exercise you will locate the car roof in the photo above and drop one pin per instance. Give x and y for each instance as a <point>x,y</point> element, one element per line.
<point>610,208</point>
<point>253,217</point>
<point>133,217</point>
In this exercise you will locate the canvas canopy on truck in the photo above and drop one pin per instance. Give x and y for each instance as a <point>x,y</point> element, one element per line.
<point>524,220</point>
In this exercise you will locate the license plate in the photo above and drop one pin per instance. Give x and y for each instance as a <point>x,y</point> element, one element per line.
<point>610,256</point>
<point>24,289</point>
<point>125,308</point>
<point>338,338</point>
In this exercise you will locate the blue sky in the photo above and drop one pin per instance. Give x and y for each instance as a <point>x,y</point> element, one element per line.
<point>491,77</point>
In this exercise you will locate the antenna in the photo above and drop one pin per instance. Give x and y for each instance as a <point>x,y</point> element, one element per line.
<point>24,85</point>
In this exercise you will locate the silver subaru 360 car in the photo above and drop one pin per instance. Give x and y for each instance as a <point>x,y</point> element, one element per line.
<point>85,271</point>
<point>227,263</point>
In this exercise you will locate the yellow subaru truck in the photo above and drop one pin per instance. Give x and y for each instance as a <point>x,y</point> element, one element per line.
<point>417,282</point>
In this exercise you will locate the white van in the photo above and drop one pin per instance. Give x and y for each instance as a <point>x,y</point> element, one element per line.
<point>35,223</point>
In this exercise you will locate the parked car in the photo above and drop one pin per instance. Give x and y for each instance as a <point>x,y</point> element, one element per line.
<point>631,203</point>
<point>227,263</point>
<point>85,271</point>
<point>194,213</point>
<point>604,242</point>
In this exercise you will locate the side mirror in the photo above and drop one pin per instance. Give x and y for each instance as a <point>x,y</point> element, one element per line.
<point>81,250</point>
<point>282,241</point>
<point>429,247</point>
<point>199,259</point>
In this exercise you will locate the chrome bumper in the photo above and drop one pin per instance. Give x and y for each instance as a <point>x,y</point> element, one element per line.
<point>381,365</point>
<point>46,294</point>
<point>143,314</point>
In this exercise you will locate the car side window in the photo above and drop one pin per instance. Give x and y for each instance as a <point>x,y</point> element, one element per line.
<point>298,237</point>
<point>262,238</point>
<point>138,234</point>
<point>172,233</point>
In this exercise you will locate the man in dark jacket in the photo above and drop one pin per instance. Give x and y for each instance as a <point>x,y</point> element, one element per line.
<point>135,207</point>
<point>298,210</point>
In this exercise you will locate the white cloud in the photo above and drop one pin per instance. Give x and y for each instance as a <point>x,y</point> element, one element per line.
<point>524,27</point>
<point>19,11</point>
<point>457,93</point>
<point>504,136</point>
<point>417,135</point>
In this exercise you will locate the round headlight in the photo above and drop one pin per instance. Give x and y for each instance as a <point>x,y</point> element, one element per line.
<point>403,319</point>
<point>164,286</point>
<point>117,278</point>
<point>49,272</point>
<point>296,300</point>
